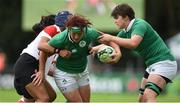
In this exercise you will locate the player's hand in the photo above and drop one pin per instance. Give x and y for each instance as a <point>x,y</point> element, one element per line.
<point>52,69</point>
<point>38,77</point>
<point>104,38</point>
<point>115,58</point>
<point>93,51</point>
<point>65,53</point>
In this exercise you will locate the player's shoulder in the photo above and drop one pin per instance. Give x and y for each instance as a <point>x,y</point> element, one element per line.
<point>90,30</point>
<point>52,30</point>
<point>140,22</point>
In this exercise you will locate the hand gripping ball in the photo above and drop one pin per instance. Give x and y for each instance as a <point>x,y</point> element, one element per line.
<point>105,53</point>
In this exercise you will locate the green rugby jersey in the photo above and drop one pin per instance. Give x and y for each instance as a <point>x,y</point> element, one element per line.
<point>152,48</point>
<point>77,62</point>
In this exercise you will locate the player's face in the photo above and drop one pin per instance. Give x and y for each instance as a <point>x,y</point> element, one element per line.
<point>76,37</point>
<point>120,22</point>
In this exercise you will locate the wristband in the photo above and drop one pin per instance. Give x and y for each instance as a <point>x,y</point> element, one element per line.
<point>56,50</point>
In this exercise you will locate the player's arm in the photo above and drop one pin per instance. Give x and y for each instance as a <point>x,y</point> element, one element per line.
<point>131,43</point>
<point>50,50</point>
<point>47,34</point>
<point>42,60</point>
<point>40,75</point>
<point>45,47</point>
<point>117,55</point>
<point>116,47</point>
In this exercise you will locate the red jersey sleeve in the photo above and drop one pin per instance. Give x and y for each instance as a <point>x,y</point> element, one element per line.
<point>51,30</point>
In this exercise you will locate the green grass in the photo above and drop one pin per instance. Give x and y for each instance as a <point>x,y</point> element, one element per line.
<point>11,96</point>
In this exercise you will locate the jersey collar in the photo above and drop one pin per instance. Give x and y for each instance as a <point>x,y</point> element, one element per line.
<point>130,25</point>
<point>69,36</point>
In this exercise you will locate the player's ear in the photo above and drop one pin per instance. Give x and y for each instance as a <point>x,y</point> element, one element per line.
<point>126,18</point>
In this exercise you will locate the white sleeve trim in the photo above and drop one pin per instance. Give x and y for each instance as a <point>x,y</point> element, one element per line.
<point>57,28</point>
<point>43,33</point>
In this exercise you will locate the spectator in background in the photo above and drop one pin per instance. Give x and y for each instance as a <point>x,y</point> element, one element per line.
<point>2,60</point>
<point>101,6</point>
<point>71,5</point>
<point>139,36</point>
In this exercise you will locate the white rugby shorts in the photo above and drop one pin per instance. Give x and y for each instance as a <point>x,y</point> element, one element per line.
<point>164,68</point>
<point>67,82</point>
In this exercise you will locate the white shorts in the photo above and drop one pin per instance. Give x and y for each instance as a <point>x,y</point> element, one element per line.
<point>165,68</point>
<point>67,82</point>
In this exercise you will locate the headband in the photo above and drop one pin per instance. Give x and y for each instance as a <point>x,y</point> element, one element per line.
<point>75,29</point>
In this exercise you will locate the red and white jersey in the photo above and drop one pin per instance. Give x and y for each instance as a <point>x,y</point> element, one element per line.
<point>49,32</point>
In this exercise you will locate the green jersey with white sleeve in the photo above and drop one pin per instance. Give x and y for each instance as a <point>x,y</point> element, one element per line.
<point>152,48</point>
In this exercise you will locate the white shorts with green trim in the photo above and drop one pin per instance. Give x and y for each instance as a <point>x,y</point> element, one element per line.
<point>67,82</point>
<point>164,68</point>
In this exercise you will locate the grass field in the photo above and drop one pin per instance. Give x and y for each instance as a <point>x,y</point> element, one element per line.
<point>11,96</point>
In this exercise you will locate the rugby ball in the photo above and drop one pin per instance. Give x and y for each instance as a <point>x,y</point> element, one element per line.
<point>105,53</point>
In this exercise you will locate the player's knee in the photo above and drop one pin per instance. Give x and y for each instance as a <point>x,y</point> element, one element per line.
<point>147,96</point>
<point>75,99</point>
<point>153,87</point>
<point>71,97</point>
<point>153,91</point>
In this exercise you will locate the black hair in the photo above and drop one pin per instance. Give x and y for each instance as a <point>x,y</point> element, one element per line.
<point>123,10</point>
<point>45,21</point>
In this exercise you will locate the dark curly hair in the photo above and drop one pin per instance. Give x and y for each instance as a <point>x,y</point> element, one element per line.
<point>45,21</point>
<point>78,21</point>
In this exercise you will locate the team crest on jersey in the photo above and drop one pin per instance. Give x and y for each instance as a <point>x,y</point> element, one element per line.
<point>82,43</point>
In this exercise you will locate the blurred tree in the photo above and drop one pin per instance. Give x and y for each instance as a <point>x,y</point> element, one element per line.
<point>164,16</point>
<point>10,26</point>
<point>12,38</point>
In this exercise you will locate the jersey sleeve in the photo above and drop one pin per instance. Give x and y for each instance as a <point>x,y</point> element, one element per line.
<point>121,34</point>
<point>139,29</point>
<point>50,31</point>
<point>94,34</point>
<point>58,40</point>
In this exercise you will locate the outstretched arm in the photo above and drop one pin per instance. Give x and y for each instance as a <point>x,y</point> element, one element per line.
<point>49,50</point>
<point>129,43</point>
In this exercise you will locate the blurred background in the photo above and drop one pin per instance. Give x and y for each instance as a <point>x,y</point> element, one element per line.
<point>118,82</point>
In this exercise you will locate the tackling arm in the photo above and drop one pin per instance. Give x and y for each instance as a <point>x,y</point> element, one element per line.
<point>131,43</point>
<point>118,54</point>
<point>45,47</point>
